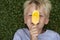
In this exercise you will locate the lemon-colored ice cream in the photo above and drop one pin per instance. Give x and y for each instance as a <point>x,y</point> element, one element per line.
<point>35,17</point>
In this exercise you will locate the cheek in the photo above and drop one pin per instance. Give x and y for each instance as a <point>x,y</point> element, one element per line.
<point>41,23</point>
<point>42,19</point>
<point>29,22</point>
<point>28,19</point>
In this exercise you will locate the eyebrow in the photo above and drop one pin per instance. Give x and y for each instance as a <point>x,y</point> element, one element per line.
<point>31,14</point>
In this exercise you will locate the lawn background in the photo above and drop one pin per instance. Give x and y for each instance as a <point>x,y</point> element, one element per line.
<point>11,17</point>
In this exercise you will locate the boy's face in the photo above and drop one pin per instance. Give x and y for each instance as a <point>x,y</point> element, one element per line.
<point>43,19</point>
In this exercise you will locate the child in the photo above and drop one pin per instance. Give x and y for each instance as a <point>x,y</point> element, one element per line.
<point>36,32</point>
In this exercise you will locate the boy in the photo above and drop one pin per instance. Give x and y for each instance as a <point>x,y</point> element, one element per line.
<point>36,32</point>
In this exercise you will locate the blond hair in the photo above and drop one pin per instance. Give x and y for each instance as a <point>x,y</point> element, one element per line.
<point>46,4</point>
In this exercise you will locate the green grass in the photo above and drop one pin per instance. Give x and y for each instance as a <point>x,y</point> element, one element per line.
<point>11,17</point>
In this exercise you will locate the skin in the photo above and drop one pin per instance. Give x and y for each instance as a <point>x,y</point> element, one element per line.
<point>35,30</point>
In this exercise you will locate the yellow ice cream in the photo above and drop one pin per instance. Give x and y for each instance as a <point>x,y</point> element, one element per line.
<point>35,17</point>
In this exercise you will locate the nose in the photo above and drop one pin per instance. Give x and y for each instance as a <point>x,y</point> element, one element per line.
<point>34,24</point>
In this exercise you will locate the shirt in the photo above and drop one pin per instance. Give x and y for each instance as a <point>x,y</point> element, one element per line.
<point>23,34</point>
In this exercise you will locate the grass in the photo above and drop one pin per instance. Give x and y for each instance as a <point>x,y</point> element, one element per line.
<point>11,17</point>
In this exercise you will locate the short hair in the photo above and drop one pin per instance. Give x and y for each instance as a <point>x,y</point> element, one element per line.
<point>46,4</point>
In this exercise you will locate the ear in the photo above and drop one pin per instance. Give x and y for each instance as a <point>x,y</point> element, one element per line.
<point>46,21</point>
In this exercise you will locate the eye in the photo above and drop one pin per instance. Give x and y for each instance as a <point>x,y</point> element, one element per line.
<point>41,16</point>
<point>30,15</point>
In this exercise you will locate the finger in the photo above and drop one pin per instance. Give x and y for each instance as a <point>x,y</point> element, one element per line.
<point>33,30</point>
<point>34,34</point>
<point>33,27</point>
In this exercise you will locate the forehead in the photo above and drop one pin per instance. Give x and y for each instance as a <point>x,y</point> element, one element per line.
<point>33,7</point>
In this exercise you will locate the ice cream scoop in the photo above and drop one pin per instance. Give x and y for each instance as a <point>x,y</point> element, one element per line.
<point>35,17</point>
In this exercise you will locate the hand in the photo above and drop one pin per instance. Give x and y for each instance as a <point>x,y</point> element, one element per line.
<point>34,33</point>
